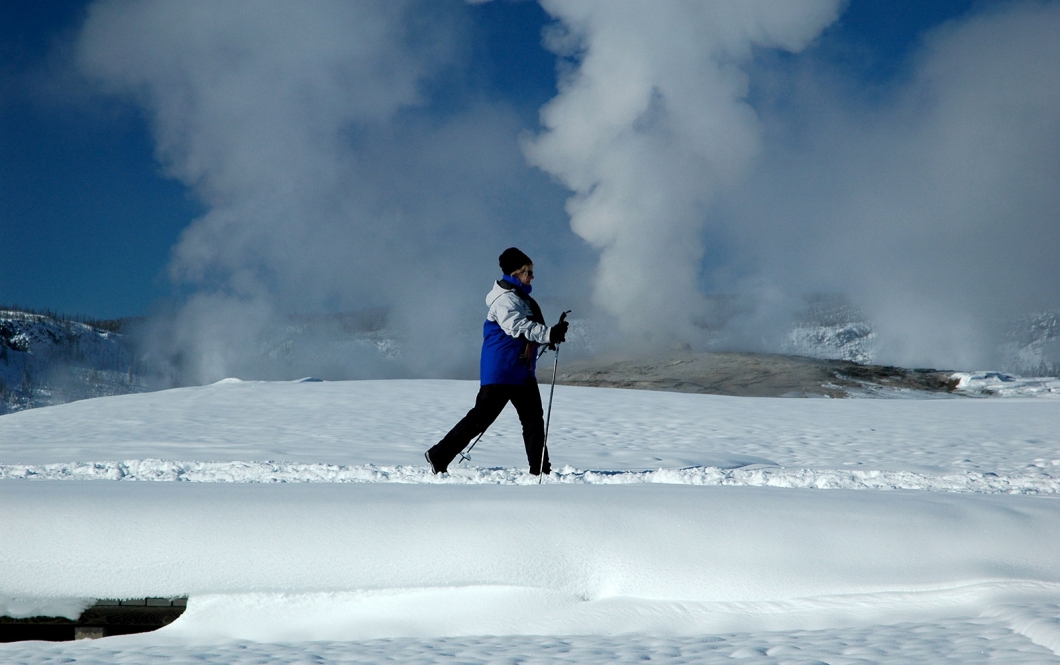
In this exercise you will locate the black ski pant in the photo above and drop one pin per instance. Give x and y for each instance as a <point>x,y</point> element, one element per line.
<point>490,402</point>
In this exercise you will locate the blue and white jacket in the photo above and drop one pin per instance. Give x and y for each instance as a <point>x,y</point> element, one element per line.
<point>513,331</point>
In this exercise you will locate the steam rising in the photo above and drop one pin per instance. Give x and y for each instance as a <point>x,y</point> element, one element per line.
<point>305,129</point>
<point>703,148</point>
<point>649,127</point>
<point>934,204</point>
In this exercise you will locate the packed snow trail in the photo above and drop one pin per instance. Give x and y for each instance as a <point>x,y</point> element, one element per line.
<point>1040,478</point>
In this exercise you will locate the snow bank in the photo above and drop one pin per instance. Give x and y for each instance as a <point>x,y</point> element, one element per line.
<point>387,560</point>
<point>19,608</point>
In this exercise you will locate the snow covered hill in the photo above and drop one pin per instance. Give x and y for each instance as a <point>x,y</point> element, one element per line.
<point>829,327</point>
<point>1032,345</point>
<point>50,360</point>
<point>301,522</point>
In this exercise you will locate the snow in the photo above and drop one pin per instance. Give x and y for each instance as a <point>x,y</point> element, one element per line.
<point>968,642</point>
<point>390,423</point>
<point>1039,478</point>
<point>299,519</point>
<point>1006,385</point>
<point>854,341</point>
<point>46,360</point>
<point>582,542</point>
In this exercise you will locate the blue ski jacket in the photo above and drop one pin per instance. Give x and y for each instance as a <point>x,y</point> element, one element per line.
<point>511,335</point>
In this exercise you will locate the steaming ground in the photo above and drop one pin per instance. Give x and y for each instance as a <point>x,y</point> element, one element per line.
<point>300,521</point>
<point>753,375</point>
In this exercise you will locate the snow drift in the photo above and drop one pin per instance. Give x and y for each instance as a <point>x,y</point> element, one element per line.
<point>575,559</point>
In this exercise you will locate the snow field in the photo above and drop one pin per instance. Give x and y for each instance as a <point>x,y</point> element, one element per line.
<point>678,527</point>
<point>391,423</point>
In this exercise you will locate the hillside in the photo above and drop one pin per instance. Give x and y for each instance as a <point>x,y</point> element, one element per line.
<point>47,359</point>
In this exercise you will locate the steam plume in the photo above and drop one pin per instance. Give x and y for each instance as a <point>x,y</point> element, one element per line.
<point>331,183</point>
<point>702,147</point>
<point>649,126</point>
<point>934,203</point>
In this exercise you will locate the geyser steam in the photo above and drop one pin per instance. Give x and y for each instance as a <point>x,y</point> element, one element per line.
<point>932,201</point>
<point>649,126</point>
<point>704,147</point>
<point>331,183</point>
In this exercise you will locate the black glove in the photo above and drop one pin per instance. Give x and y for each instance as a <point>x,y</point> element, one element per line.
<point>557,334</point>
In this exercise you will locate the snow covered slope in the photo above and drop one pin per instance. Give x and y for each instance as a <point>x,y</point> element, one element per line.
<point>1032,345</point>
<point>46,360</point>
<point>676,527</point>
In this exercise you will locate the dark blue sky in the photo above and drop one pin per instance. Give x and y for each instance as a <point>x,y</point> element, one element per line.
<point>87,218</point>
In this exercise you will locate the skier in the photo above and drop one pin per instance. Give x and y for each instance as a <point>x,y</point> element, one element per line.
<point>513,331</point>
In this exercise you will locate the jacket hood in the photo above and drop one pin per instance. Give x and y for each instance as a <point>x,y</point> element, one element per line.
<point>496,292</point>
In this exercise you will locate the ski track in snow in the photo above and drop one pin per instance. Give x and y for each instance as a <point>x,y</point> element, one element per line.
<point>1037,478</point>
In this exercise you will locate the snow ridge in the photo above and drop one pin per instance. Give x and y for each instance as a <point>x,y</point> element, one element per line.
<point>1037,478</point>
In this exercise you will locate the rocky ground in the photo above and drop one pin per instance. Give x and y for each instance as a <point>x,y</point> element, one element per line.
<point>749,374</point>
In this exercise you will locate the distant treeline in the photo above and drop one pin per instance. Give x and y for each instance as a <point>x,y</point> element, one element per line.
<point>21,313</point>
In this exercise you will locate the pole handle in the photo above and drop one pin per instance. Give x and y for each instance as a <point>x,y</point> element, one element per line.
<point>554,347</point>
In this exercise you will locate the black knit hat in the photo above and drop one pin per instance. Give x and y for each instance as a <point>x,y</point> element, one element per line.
<point>512,259</point>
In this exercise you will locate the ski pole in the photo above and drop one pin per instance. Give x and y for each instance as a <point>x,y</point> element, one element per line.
<point>465,455</point>
<point>548,419</point>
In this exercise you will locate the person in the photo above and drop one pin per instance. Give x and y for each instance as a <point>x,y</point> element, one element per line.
<point>511,336</point>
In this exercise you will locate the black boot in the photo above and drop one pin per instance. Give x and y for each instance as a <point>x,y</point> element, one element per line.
<point>434,469</point>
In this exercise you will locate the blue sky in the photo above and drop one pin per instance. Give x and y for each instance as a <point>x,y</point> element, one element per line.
<point>88,217</point>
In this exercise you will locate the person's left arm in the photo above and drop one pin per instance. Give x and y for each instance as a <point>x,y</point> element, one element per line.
<point>512,315</point>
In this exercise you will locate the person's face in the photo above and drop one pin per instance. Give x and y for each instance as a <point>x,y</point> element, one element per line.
<point>525,275</point>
